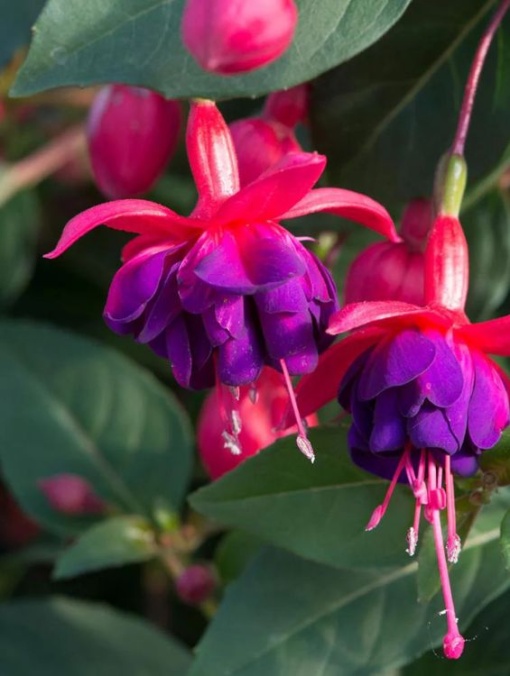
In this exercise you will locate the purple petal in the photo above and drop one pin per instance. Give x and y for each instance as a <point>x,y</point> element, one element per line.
<point>224,268</point>
<point>464,463</point>
<point>132,288</point>
<point>288,297</point>
<point>216,334</point>
<point>488,409</point>
<point>457,413</point>
<point>240,360</point>
<point>389,430</point>
<point>229,311</point>
<point>396,362</point>
<point>349,381</point>
<point>430,429</point>
<point>291,337</point>
<point>163,310</point>
<point>179,350</point>
<point>442,382</point>
<point>381,465</point>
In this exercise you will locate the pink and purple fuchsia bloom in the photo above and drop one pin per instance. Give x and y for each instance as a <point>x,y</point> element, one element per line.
<point>425,399</point>
<point>227,290</point>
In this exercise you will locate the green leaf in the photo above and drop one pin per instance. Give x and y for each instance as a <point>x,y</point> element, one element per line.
<point>70,405</point>
<point>505,539</point>
<point>116,542</point>
<point>319,511</point>
<point>19,225</point>
<point>74,638</point>
<point>487,229</point>
<point>138,42</point>
<point>486,654</point>
<point>385,118</point>
<point>234,553</point>
<point>286,615</point>
<point>17,19</point>
<point>496,462</point>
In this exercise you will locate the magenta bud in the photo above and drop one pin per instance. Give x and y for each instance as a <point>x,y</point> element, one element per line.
<point>70,494</point>
<point>259,144</point>
<point>236,36</point>
<point>132,134</point>
<point>393,270</point>
<point>195,584</point>
<point>289,107</point>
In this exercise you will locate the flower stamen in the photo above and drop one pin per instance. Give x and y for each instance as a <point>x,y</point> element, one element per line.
<point>302,441</point>
<point>380,510</point>
<point>453,542</point>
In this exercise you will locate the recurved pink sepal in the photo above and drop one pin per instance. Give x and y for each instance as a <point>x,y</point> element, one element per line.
<point>132,133</point>
<point>236,36</point>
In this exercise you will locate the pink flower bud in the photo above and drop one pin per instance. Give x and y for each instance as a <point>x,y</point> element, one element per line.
<point>259,144</point>
<point>288,107</point>
<point>196,584</point>
<point>70,494</point>
<point>236,36</point>
<point>393,270</point>
<point>260,412</point>
<point>132,133</point>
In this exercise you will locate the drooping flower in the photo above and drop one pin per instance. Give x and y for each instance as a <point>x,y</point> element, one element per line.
<point>236,36</point>
<point>227,290</point>
<point>132,134</point>
<point>393,270</point>
<point>263,140</point>
<point>260,414</point>
<point>425,398</point>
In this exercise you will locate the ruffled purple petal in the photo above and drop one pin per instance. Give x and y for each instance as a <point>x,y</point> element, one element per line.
<point>381,465</point>
<point>389,430</point>
<point>464,463</point>
<point>290,337</point>
<point>132,288</point>
<point>241,359</point>
<point>457,413</point>
<point>229,311</point>
<point>396,362</point>
<point>430,429</point>
<point>163,309</point>
<point>442,382</point>
<point>178,350</point>
<point>288,297</point>
<point>488,409</point>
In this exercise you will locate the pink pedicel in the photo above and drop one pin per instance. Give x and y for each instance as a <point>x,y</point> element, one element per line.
<point>70,494</point>
<point>258,413</point>
<point>132,134</point>
<point>237,36</point>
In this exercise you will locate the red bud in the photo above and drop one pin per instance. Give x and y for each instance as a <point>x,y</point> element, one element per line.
<point>196,584</point>
<point>70,494</point>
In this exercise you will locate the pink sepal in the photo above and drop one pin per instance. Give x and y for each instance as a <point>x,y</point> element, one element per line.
<point>139,216</point>
<point>276,190</point>
<point>356,315</point>
<point>318,388</point>
<point>350,205</point>
<point>492,337</point>
<point>211,156</point>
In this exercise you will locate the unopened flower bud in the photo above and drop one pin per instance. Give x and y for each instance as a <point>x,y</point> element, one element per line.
<point>259,144</point>
<point>71,494</point>
<point>236,36</point>
<point>195,584</point>
<point>132,133</point>
<point>393,270</point>
<point>289,106</point>
<point>260,413</point>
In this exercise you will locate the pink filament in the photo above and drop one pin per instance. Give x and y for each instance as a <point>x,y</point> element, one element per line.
<point>302,441</point>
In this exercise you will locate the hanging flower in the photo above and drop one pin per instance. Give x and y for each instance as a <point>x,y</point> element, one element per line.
<point>425,398</point>
<point>227,290</point>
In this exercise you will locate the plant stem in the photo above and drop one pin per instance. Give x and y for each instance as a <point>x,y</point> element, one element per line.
<point>473,79</point>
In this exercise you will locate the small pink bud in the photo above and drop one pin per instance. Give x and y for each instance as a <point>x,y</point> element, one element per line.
<point>453,645</point>
<point>196,584</point>
<point>259,144</point>
<point>259,418</point>
<point>132,133</point>
<point>70,494</point>
<point>393,270</point>
<point>236,36</point>
<point>288,107</point>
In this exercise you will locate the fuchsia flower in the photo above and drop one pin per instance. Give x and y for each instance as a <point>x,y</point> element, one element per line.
<point>393,270</point>
<point>227,290</point>
<point>236,36</point>
<point>260,415</point>
<point>132,134</point>
<point>425,398</point>
<point>262,141</point>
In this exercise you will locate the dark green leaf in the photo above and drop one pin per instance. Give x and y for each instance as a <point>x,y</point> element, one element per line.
<point>116,542</point>
<point>138,42</point>
<point>19,224</point>
<point>286,615</point>
<point>496,462</point>
<point>505,539</point>
<point>80,639</point>
<point>72,406</point>
<point>17,19</point>
<point>319,511</point>
<point>385,118</point>
<point>234,553</point>
<point>487,228</point>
